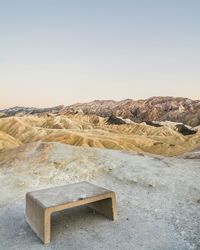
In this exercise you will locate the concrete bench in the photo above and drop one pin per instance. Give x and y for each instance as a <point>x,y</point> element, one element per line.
<point>42,203</point>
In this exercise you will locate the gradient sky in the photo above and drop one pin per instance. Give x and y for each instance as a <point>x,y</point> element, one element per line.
<point>59,52</point>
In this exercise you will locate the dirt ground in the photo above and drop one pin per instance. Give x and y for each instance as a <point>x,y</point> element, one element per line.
<point>158,199</point>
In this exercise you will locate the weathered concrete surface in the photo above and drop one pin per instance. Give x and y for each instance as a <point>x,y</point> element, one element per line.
<point>41,204</point>
<point>63,194</point>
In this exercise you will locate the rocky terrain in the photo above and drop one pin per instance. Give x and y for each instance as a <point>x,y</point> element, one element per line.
<point>151,162</point>
<point>153,109</point>
<point>158,199</point>
<point>176,109</point>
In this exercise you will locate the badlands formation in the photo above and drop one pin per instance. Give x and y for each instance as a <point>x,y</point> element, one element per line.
<point>154,170</point>
<point>94,131</point>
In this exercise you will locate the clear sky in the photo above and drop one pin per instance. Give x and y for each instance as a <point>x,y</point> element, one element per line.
<point>59,52</point>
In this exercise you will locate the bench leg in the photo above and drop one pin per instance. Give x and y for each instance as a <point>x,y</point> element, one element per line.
<point>39,219</point>
<point>106,207</point>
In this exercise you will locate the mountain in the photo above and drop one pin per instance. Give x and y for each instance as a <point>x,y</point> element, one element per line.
<point>175,109</point>
<point>20,111</point>
<point>158,197</point>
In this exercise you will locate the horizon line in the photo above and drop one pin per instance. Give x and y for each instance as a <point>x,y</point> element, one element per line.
<point>95,100</point>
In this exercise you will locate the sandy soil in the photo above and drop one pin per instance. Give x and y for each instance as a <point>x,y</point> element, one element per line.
<point>158,198</point>
<point>95,132</point>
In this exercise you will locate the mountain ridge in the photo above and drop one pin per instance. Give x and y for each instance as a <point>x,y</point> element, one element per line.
<point>157,108</point>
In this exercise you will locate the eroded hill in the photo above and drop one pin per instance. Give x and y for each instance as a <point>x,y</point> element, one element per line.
<point>94,131</point>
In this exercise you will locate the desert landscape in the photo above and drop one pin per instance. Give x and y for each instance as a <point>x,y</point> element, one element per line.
<point>105,92</point>
<point>163,126</point>
<point>150,159</point>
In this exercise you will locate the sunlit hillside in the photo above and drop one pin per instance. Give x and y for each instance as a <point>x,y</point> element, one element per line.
<point>94,131</point>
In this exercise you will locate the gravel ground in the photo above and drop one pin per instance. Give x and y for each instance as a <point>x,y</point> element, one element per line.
<point>158,202</point>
